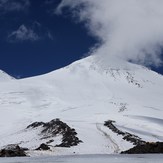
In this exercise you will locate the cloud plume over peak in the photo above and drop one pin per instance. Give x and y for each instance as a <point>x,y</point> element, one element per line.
<point>128,29</point>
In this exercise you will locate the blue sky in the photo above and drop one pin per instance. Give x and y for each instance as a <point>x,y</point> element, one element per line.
<point>34,40</point>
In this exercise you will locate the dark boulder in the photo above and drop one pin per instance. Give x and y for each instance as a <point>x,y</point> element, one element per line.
<point>12,151</point>
<point>43,147</point>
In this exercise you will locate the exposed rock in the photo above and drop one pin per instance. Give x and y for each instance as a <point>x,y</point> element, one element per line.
<point>25,149</point>
<point>56,127</point>
<point>12,151</point>
<point>43,147</point>
<point>146,148</point>
<point>126,136</point>
<point>35,124</point>
<point>50,141</point>
<point>141,147</point>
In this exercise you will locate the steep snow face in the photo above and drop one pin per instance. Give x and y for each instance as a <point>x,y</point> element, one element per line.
<point>84,95</point>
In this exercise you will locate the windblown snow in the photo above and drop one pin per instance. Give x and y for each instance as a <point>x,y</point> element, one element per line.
<point>84,94</point>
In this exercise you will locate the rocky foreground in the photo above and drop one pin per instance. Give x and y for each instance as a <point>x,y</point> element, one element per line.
<point>69,138</point>
<point>48,130</point>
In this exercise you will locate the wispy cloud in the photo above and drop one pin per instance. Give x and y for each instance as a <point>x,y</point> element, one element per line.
<point>13,5</point>
<point>23,33</point>
<point>50,36</point>
<point>128,29</point>
<point>35,32</point>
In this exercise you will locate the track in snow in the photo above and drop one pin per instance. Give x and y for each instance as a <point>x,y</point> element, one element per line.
<point>113,144</point>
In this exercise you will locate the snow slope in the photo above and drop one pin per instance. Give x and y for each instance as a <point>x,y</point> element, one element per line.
<point>5,77</point>
<point>84,95</point>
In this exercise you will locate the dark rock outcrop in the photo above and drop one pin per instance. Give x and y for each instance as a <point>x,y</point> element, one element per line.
<point>146,148</point>
<point>50,141</point>
<point>141,147</point>
<point>35,124</point>
<point>12,151</point>
<point>56,127</point>
<point>126,136</point>
<point>43,147</point>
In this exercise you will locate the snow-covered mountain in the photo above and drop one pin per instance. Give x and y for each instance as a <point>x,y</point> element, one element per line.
<point>84,95</point>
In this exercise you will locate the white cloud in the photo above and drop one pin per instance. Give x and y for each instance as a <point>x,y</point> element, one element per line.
<point>14,5</point>
<point>127,29</point>
<point>23,33</point>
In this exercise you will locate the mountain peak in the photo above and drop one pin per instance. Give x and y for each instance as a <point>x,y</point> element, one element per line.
<point>84,95</point>
<point>105,64</point>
